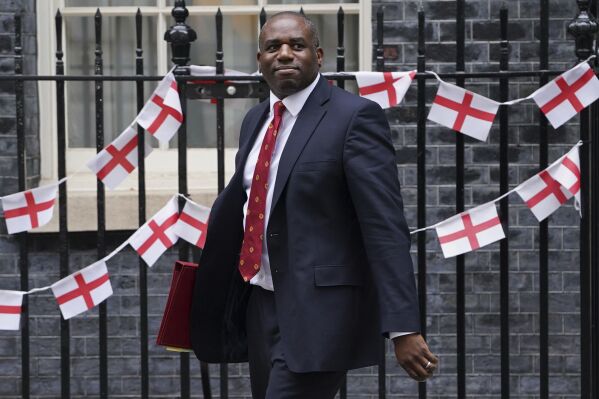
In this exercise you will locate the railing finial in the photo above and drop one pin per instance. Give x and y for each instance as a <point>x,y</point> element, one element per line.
<point>262,17</point>
<point>180,35</point>
<point>583,28</point>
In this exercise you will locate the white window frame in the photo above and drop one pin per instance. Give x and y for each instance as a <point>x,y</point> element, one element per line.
<point>201,161</point>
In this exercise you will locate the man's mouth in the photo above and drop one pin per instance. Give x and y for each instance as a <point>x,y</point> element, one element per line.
<point>285,69</point>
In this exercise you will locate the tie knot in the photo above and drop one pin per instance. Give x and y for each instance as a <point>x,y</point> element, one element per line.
<point>279,108</point>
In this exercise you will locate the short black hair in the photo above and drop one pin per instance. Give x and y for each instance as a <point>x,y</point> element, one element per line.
<point>309,23</point>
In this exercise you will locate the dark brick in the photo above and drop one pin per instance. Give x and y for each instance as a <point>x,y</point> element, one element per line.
<point>444,10</point>
<point>490,31</point>
<point>406,31</point>
<point>6,46</point>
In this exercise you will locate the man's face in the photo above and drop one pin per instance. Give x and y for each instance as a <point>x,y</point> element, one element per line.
<point>288,57</point>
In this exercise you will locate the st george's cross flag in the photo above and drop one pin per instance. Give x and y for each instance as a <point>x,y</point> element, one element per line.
<point>542,194</point>
<point>82,290</point>
<point>463,111</point>
<point>192,225</point>
<point>10,309</point>
<point>568,94</point>
<point>29,209</point>
<point>158,234</point>
<point>162,115</point>
<point>114,163</point>
<point>567,172</point>
<point>470,230</point>
<point>387,89</point>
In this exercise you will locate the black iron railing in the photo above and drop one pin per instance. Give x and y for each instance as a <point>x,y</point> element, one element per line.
<point>180,36</point>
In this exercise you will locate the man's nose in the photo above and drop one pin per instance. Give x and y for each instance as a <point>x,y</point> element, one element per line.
<point>285,52</point>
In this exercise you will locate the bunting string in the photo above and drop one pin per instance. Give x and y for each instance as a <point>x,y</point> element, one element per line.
<point>501,196</point>
<point>454,107</point>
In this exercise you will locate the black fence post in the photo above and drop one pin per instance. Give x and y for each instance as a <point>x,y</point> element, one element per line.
<point>141,203</point>
<point>380,67</point>
<point>220,154</point>
<point>101,201</point>
<point>584,29</point>
<point>340,45</point>
<point>180,36</point>
<point>459,207</point>
<point>504,266</point>
<point>421,185</point>
<point>22,184</point>
<point>341,84</point>
<point>65,343</point>
<point>543,225</point>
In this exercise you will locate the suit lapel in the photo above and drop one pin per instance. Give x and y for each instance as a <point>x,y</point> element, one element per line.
<point>304,127</point>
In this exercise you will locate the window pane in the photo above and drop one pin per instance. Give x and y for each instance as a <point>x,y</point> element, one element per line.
<point>327,27</point>
<point>309,1</point>
<point>118,46</point>
<point>240,43</point>
<point>104,3</point>
<point>220,2</point>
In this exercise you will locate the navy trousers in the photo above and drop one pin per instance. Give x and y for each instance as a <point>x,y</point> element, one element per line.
<point>269,375</point>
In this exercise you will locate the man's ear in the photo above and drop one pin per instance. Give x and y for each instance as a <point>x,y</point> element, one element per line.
<point>258,60</point>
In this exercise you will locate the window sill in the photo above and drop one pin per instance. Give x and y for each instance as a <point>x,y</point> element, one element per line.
<point>122,210</point>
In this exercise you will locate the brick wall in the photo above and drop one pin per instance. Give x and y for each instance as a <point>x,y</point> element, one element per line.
<point>482,184</point>
<point>482,267</point>
<point>8,140</point>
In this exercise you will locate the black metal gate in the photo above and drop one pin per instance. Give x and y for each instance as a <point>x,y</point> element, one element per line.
<point>582,27</point>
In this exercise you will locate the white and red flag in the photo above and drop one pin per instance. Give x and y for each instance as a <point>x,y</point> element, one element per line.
<point>567,172</point>
<point>29,209</point>
<point>82,290</point>
<point>470,230</point>
<point>568,94</point>
<point>10,309</point>
<point>192,225</point>
<point>387,89</point>
<point>114,163</point>
<point>158,234</point>
<point>162,115</point>
<point>463,111</point>
<point>543,194</point>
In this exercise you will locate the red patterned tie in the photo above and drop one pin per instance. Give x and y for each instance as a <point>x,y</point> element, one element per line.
<point>251,249</point>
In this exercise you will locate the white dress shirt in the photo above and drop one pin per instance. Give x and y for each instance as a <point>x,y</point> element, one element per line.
<point>293,105</point>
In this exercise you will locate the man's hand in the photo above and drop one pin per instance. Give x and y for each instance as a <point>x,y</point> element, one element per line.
<point>414,356</point>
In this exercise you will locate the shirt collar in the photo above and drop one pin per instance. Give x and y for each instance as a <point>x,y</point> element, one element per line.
<point>295,102</point>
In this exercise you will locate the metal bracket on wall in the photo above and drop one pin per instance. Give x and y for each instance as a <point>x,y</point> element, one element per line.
<point>206,90</point>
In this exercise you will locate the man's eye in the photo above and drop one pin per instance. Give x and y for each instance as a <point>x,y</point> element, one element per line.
<point>298,46</point>
<point>272,47</point>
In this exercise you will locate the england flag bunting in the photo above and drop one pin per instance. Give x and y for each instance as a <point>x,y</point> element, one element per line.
<point>162,115</point>
<point>568,94</point>
<point>192,225</point>
<point>384,88</point>
<point>82,290</point>
<point>29,209</point>
<point>567,171</point>
<point>470,230</point>
<point>542,194</point>
<point>114,163</point>
<point>463,111</point>
<point>158,234</point>
<point>10,309</point>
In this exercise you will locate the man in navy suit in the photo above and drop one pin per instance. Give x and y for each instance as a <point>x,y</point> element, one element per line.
<point>307,260</point>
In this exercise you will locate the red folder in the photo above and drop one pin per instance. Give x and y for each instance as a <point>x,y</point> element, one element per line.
<point>174,328</point>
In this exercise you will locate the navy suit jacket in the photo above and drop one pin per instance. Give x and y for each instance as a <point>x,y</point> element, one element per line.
<point>338,242</point>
